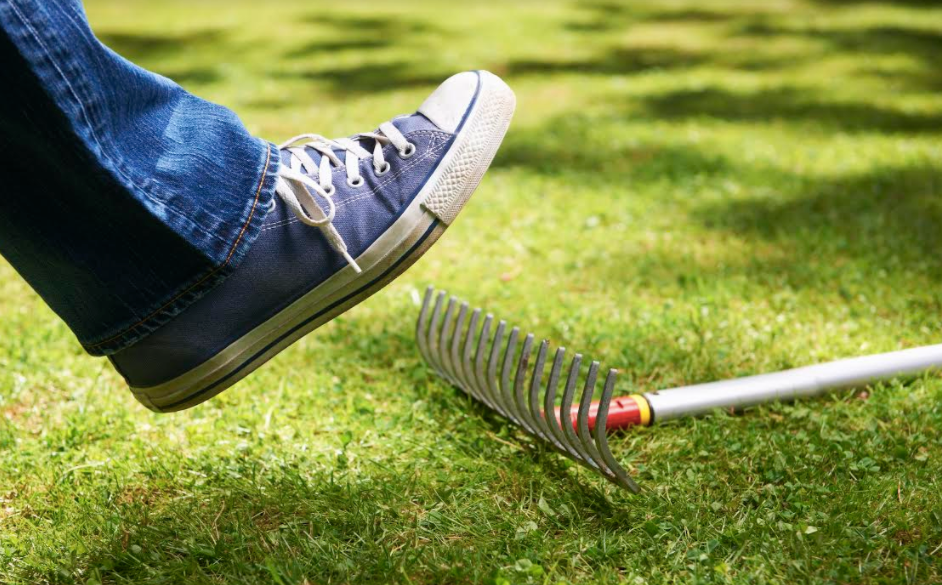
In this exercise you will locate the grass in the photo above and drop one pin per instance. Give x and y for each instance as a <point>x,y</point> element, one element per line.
<point>690,191</point>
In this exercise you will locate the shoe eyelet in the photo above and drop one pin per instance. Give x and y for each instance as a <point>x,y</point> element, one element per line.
<point>383,169</point>
<point>330,190</point>
<point>356,182</point>
<point>408,151</point>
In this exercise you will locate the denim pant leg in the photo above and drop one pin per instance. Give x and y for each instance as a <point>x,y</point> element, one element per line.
<point>123,198</point>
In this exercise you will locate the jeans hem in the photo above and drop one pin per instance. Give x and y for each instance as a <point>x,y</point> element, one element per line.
<point>178,300</point>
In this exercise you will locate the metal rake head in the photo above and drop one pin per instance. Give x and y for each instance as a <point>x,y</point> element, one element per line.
<point>472,354</point>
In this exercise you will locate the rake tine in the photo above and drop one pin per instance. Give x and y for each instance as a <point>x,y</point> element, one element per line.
<point>467,369</point>
<point>453,339</point>
<point>421,328</point>
<point>492,379</point>
<point>480,373</point>
<point>443,353</point>
<point>506,392</point>
<point>454,361</point>
<point>434,333</point>
<point>565,412</point>
<point>532,399</point>
<point>583,423</point>
<point>523,365</point>
<point>600,439</point>
<point>536,415</point>
<point>549,420</point>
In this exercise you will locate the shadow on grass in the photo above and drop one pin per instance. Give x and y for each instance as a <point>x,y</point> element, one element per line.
<point>922,45</point>
<point>841,235</point>
<point>925,46</point>
<point>359,33</point>
<point>194,75</point>
<point>600,17</point>
<point>287,528</point>
<point>788,104</point>
<point>141,46</point>
<point>888,217</point>
<point>368,77</point>
<point>383,26</point>
<point>885,219</point>
<point>694,15</point>
<point>612,16</point>
<point>615,61</point>
<point>316,47</point>
<point>370,35</point>
<point>907,3</point>
<point>571,146</point>
<point>148,50</point>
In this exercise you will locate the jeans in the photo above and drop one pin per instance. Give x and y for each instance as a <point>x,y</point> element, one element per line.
<point>124,198</point>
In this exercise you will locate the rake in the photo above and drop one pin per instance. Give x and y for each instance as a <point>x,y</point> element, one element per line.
<point>493,366</point>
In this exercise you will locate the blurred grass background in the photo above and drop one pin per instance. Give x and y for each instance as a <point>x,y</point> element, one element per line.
<point>690,191</point>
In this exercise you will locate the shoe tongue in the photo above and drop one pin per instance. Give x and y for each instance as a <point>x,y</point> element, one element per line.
<point>413,123</point>
<point>406,124</point>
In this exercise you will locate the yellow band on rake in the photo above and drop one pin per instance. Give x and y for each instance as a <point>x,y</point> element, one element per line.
<point>643,408</point>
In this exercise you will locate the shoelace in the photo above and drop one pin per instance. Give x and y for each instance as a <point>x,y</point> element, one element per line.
<point>302,179</point>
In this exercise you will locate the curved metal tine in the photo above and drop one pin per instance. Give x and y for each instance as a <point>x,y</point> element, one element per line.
<point>506,390</point>
<point>565,412</point>
<point>494,383</point>
<point>520,379</point>
<point>454,360</point>
<point>479,372</point>
<point>443,341</point>
<point>550,422</point>
<point>584,405</point>
<point>533,400</point>
<point>467,370</point>
<point>472,346</point>
<point>601,419</point>
<point>421,327</point>
<point>434,333</point>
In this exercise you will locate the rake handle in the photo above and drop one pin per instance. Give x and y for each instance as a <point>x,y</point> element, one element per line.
<point>509,379</point>
<point>764,388</point>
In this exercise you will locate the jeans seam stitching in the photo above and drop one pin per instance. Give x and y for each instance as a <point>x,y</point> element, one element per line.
<point>235,245</point>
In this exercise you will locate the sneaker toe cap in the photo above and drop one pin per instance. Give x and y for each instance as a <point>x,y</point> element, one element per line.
<point>447,105</point>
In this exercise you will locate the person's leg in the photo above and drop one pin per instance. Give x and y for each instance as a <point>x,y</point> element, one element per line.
<point>124,198</point>
<point>188,251</point>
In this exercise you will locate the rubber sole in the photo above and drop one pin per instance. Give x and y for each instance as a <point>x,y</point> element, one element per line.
<point>421,224</point>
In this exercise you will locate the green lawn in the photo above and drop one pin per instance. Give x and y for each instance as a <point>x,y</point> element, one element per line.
<point>689,192</point>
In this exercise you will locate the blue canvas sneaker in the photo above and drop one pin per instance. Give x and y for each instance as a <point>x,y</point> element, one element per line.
<point>350,216</point>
